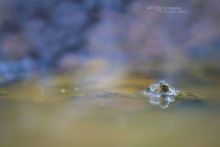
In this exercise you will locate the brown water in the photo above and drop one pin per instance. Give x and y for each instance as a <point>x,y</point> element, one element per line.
<point>67,110</point>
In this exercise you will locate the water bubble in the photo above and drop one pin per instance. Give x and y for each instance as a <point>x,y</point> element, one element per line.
<point>79,91</point>
<point>63,90</point>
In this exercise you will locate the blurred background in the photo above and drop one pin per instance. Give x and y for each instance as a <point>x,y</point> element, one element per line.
<point>172,36</point>
<point>72,71</point>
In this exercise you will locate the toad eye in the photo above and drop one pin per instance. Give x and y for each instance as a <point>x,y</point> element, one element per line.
<point>148,89</point>
<point>164,88</point>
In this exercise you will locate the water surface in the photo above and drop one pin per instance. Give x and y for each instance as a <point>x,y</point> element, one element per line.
<point>76,110</point>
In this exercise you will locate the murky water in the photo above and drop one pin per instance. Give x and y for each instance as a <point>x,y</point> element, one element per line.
<point>71,110</point>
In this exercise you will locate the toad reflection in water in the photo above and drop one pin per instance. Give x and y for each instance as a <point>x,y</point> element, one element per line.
<point>161,94</point>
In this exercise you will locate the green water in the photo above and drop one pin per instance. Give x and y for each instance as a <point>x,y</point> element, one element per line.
<point>66,110</point>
